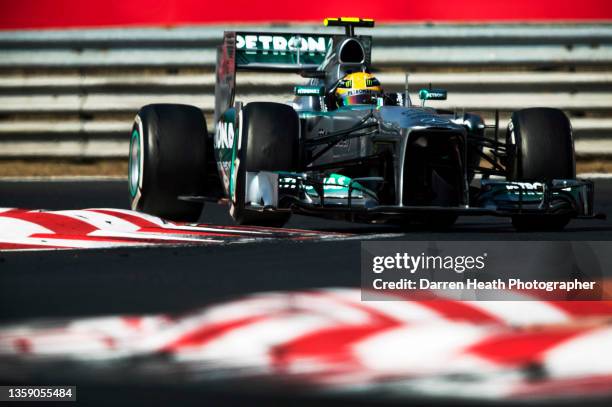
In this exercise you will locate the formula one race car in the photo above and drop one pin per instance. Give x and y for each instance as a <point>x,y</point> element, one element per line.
<point>344,149</point>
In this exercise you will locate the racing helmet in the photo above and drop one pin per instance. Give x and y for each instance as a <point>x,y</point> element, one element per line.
<point>358,88</point>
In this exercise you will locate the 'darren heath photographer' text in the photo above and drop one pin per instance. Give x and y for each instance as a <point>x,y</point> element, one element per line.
<point>404,262</point>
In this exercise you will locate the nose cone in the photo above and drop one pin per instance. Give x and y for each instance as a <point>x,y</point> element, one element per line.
<point>410,117</point>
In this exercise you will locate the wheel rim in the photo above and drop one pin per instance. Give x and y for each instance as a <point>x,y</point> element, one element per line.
<point>134,163</point>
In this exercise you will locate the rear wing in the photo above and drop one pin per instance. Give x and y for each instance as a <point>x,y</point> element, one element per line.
<point>285,52</point>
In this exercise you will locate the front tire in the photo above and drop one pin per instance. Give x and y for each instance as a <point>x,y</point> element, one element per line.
<point>168,159</point>
<point>541,149</point>
<point>270,142</point>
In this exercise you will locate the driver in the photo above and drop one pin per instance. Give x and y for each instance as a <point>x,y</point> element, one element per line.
<point>358,88</point>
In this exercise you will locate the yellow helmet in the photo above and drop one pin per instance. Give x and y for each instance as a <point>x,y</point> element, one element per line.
<point>358,88</point>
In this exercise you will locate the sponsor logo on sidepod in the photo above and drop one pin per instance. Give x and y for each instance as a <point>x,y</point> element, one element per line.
<point>224,136</point>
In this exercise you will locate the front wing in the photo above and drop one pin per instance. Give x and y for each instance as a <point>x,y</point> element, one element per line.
<point>355,199</point>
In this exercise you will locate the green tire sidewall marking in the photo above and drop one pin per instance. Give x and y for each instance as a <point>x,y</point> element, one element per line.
<point>134,183</point>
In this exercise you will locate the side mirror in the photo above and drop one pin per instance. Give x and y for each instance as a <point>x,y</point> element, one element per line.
<point>432,94</point>
<point>309,90</point>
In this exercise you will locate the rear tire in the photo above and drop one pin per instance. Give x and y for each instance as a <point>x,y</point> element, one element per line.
<point>541,149</point>
<point>167,160</point>
<point>270,142</point>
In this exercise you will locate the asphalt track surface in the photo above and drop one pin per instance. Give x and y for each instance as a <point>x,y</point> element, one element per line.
<point>74,283</point>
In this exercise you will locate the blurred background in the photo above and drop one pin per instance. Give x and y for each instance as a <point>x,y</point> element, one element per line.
<point>73,74</point>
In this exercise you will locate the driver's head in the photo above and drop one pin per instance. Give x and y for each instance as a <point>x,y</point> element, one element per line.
<point>358,88</point>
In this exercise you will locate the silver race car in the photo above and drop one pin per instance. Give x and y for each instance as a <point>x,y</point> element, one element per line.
<point>345,149</point>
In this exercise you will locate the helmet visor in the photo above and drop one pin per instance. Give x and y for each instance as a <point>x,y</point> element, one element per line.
<point>361,98</point>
